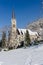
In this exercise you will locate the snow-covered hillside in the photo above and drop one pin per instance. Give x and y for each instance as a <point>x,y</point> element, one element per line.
<point>28,56</point>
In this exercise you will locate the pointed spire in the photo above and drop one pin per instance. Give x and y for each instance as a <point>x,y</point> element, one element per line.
<point>13,15</point>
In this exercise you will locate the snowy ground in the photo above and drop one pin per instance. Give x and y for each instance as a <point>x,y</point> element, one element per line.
<point>28,56</point>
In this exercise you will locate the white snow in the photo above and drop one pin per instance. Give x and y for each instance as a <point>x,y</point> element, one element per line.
<point>1,63</point>
<point>28,56</point>
<point>30,32</point>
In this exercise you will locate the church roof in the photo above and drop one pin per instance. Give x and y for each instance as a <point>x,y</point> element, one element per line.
<point>30,32</point>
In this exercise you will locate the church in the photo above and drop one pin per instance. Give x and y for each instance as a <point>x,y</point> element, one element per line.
<point>17,34</point>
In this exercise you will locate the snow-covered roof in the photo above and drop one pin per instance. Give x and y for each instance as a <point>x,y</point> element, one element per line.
<point>30,32</point>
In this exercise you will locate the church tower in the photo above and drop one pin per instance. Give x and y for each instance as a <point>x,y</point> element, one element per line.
<point>13,21</point>
<point>13,30</point>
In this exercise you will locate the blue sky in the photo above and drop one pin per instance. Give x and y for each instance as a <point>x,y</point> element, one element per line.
<point>26,11</point>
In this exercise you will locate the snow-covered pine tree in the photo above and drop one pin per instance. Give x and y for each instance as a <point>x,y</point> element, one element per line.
<point>27,38</point>
<point>3,39</point>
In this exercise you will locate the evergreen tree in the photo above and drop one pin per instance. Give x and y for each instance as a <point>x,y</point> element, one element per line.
<point>3,39</point>
<point>0,43</point>
<point>27,38</point>
<point>9,37</point>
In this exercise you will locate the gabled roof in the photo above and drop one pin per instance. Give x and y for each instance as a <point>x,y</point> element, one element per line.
<point>30,32</point>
